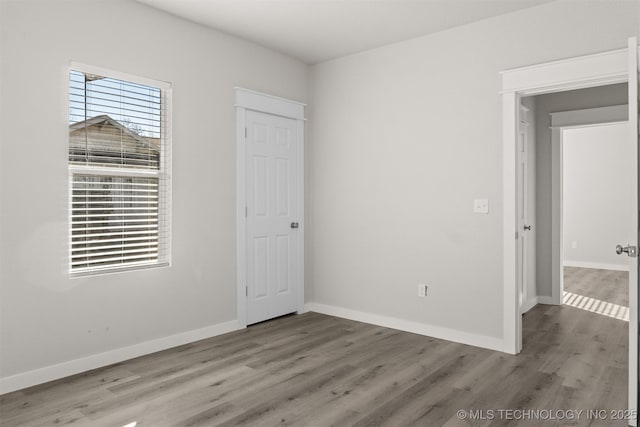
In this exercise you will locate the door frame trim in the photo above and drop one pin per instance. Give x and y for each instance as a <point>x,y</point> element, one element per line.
<point>249,100</point>
<point>574,73</point>
<point>574,119</point>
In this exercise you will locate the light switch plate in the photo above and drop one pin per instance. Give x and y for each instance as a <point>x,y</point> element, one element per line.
<point>422,290</point>
<point>481,206</point>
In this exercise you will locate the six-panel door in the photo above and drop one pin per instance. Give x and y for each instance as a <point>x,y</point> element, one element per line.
<point>272,243</point>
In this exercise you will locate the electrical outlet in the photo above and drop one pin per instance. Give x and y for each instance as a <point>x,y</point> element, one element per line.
<point>574,244</point>
<point>481,206</point>
<point>422,290</point>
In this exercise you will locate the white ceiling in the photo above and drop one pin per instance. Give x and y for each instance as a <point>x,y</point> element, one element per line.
<point>318,30</point>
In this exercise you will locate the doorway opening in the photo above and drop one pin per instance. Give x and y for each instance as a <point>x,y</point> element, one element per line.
<point>590,71</point>
<point>596,180</point>
<point>581,170</point>
<point>544,119</point>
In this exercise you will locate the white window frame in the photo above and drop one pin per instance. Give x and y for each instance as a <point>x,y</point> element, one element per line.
<point>163,173</point>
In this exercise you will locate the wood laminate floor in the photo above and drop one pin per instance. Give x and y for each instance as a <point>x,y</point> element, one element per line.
<point>606,285</point>
<point>317,370</point>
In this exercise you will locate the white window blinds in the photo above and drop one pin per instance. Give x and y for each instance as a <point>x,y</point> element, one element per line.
<point>118,172</point>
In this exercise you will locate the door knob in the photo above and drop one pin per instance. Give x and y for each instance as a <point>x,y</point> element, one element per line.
<point>527,227</point>
<point>629,250</point>
<point>294,225</point>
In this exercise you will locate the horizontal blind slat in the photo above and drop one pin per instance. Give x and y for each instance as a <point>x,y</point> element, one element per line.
<point>106,253</point>
<point>123,240</point>
<point>131,265</point>
<point>119,184</point>
<point>84,189</point>
<point>92,216</point>
<point>115,228</point>
<point>79,249</point>
<point>84,196</point>
<point>117,259</point>
<point>83,239</point>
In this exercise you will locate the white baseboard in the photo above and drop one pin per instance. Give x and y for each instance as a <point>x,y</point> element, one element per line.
<point>529,304</point>
<point>76,366</point>
<point>533,301</point>
<point>597,265</point>
<point>476,340</point>
<point>545,300</point>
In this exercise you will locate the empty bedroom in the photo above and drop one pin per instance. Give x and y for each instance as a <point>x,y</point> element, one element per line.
<point>319,212</point>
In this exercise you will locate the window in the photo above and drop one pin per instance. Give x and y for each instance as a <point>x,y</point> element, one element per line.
<point>118,172</point>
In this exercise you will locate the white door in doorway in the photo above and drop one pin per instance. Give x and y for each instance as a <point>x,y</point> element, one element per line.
<point>626,248</point>
<point>272,216</point>
<point>526,211</point>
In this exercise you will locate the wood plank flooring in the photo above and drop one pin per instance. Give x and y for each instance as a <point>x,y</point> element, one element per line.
<point>606,285</point>
<point>317,370</point>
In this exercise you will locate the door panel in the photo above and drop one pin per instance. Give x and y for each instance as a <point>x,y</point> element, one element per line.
<point>525,210</point>
<point>634,77</point>
<point>524,240</point>
<point>260,267</point>
<point>520,185</point>
<point>283,264</point>
<point>260,185</point>
<point>272,258</point>
<point>526,261</point>
<point>282,186</point>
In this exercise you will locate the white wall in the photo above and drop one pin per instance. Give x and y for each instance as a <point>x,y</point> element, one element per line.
<point>45,318</point>
<point>403,138</point>
<point>597,208</point>
<point>545,104</point>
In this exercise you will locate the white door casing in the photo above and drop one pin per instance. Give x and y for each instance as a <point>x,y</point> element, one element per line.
<point>270,196</point>
<point>605,68</point>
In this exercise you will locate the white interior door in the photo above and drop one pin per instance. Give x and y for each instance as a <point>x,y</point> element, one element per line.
<point>272,216</point>
<point>630,248</point>
<point>522,207</point>
<point>526,241</point>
